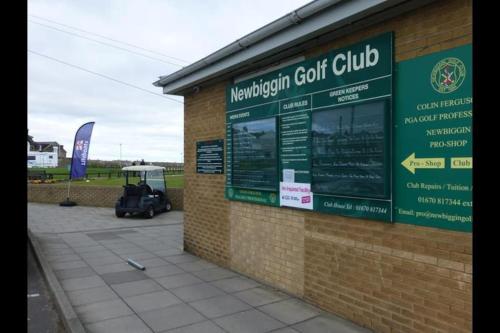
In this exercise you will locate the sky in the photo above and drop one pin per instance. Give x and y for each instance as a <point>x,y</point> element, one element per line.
<point>130,123</point>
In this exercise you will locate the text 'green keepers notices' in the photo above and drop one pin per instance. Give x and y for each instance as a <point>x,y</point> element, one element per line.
<point>433,140</point>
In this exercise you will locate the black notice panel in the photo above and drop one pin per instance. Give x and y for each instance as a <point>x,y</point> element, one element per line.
<point>210,157</point>
<point>255,154</point>
<point>349,151</point>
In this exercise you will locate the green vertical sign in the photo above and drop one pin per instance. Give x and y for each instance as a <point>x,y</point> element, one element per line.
<point>433,140</point>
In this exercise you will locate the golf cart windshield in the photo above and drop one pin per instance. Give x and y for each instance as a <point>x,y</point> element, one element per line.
<point>154,179</point>
<point>147,175</point>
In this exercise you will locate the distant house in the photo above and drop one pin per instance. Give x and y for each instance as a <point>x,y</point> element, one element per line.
<point>44,154</point>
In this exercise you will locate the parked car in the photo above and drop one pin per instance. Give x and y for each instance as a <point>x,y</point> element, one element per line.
<point>148,197</point>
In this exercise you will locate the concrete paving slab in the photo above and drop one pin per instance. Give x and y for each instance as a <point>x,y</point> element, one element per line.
<point>63,258</point>
<point>56,252</point>
<point>127,324</point>
<point>151,301</point>
<point>178,280</point>
<point>81,245</point>
<point>171,317</point>
<point>160,271</point>
<point>168,252</point>
<point>91,295</point>
<point>219,306</point>
<point>197,292</point>
<point>82,283</point>
<point>122,277</point>
<point>96,254</point>
<point>121,232</point>
<point>251,321</point>
<point>68,264</point>
<point>182,258</point>
<point>194,266</point>
<point>327,323</point>
<point>136,288</point>
<point>214,274</point>
<point>290,311</point>
<point>87,249</point>
<point>235,284</point>
<point>260,296</point>
<point>138,256</point>
<point>203,327</point>
<point>285,330</point>
<point>128,250</point>
<point>98,236</point>
<point>74,273</point>
<point>112,259</point>
<point>94,312</point>
<point>112,268</point>
<point>153,262</point>
<point>55,246</point>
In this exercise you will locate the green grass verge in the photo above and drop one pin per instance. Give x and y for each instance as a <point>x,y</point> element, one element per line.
<point>174,181</point>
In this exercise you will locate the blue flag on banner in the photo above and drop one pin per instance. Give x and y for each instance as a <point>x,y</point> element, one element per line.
<point>81,151</point>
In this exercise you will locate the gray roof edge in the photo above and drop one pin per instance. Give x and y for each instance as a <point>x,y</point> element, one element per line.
<point>331,17</point>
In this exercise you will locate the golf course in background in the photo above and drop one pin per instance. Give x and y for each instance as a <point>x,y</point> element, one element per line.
<point>105,177</point>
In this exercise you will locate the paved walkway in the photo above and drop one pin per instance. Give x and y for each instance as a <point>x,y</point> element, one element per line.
<point>42,313</point>
<point>88,247</point>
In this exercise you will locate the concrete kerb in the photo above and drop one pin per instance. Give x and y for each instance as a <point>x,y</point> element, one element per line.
<point>70,319</point>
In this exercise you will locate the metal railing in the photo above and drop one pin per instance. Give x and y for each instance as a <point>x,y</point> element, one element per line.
<point>43,174</point>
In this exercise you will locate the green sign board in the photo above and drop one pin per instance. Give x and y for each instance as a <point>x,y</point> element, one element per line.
<point>210,157</point>
<point>316,134</point>
<point>433,140</point>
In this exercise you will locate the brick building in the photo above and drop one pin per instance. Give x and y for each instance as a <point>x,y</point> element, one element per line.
<point>44,154</point>
<point>382,235</point>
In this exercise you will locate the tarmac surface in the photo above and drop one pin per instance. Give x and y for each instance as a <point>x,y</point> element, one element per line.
<point>42,314</point>
<point>88,249</point>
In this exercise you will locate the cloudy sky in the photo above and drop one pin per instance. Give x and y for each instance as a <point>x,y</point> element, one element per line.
<point>175,34</point>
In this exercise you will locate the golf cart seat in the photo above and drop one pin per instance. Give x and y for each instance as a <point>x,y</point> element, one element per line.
<point>145,189</point>
<point>132,195</point>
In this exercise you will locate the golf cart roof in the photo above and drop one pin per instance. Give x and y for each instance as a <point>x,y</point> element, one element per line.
<point>143,168</point>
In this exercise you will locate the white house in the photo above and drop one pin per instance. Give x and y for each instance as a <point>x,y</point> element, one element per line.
<point>44,154</point>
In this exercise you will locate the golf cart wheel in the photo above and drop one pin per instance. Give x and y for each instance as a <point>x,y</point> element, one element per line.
<point>168,206</point>
<point>150,212</point>
<point>119,214</point>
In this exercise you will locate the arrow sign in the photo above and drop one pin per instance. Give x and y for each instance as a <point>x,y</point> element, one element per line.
<point>411,163</point>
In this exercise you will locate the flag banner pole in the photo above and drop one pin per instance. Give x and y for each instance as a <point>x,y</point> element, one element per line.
<point>79,157</point>
<point>69,185</point>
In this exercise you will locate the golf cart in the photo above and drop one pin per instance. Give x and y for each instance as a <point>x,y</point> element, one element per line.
<point>148,197</point>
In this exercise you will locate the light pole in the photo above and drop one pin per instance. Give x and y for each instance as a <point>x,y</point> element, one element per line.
<point>120,155</point>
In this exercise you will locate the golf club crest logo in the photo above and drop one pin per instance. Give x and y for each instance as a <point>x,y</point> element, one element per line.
<point>448,75</point>
<point>230,192</point>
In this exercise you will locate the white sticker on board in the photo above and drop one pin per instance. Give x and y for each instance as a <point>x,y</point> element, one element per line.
<point>296,195</point>
<point>288,176</point>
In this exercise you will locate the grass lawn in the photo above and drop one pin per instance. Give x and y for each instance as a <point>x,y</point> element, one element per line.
<point>174,181</point>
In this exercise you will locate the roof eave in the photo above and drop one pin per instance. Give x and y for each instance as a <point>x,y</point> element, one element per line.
<point>338,16</point>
